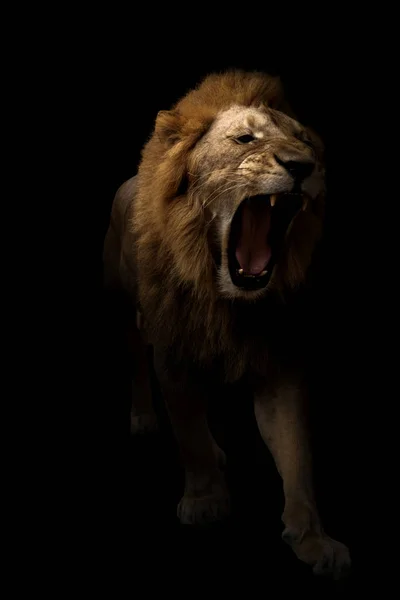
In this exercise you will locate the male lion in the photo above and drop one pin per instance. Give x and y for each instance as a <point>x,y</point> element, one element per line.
<point>212,241</point>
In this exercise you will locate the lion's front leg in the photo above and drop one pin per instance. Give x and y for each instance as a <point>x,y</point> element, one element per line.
<point>205,497</point>
<point>281,421</point>
<point>143,417</point>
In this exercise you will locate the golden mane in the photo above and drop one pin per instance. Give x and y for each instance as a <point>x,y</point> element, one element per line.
<point>176,268</point>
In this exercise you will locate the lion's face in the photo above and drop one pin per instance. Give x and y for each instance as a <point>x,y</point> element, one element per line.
<point>258,175</point>
<point>231,190</point>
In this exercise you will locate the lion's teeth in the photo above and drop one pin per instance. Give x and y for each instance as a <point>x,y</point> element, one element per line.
<point>273,199</point>
<point>305,203</point>
<point>241,272</point>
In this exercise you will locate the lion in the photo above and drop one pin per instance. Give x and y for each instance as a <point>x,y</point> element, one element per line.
<point>212,243</point>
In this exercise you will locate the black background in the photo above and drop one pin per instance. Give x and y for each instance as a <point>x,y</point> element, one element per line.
<point>135,484</point>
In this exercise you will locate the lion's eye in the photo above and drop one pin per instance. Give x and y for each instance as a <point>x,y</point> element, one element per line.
<point>245,139</point>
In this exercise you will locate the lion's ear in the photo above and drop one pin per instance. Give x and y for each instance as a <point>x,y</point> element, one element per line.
<point>271,95</point>
<point>276,95</point>
<point>168,126</point>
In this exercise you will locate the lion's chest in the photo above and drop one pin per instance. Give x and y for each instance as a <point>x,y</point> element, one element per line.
<point>252,345</point>
<point>228,340</point>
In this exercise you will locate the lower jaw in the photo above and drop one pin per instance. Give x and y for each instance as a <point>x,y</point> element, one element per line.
<point>251,282</point>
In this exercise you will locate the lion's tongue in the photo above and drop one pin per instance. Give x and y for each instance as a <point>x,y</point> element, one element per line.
<point>253,251</point>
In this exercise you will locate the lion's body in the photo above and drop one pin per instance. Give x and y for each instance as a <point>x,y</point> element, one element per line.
<point>167,248</point>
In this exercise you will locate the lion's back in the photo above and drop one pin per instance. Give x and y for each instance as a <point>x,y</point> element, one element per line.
<point>118,255</point>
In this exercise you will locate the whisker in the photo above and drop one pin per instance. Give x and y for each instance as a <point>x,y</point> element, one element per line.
<point>199,185</point>
<point>227,182</point>
<point>226,185</point>
<point>212,171</point>
<point>233,187</point>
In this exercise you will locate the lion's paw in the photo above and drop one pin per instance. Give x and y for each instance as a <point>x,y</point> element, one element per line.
<point>200,510</point>
<point>327,556</point>
<point>144,423</point>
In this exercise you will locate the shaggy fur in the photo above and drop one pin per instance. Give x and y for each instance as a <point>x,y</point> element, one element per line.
<point>177,270</point>
<point>166,247</point>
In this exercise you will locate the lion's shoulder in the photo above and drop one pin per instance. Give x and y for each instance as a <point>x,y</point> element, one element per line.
<point>123,202</point>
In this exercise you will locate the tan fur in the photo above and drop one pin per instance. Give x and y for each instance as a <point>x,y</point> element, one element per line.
<point>166,247</point>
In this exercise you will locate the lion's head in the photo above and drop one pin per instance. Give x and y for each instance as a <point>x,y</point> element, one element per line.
<point>233,186</point>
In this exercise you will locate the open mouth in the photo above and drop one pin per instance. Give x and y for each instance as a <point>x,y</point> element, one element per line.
<point>257,236</point>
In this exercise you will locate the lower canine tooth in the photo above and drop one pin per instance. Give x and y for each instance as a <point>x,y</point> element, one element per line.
<point>240,271</point>
<point>263,273</point>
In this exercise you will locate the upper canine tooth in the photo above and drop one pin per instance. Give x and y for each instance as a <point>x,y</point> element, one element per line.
<point>273,199</point>
<point>305,203</point>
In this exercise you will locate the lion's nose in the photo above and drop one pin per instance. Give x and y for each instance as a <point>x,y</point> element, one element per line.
<point>299,170</point>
